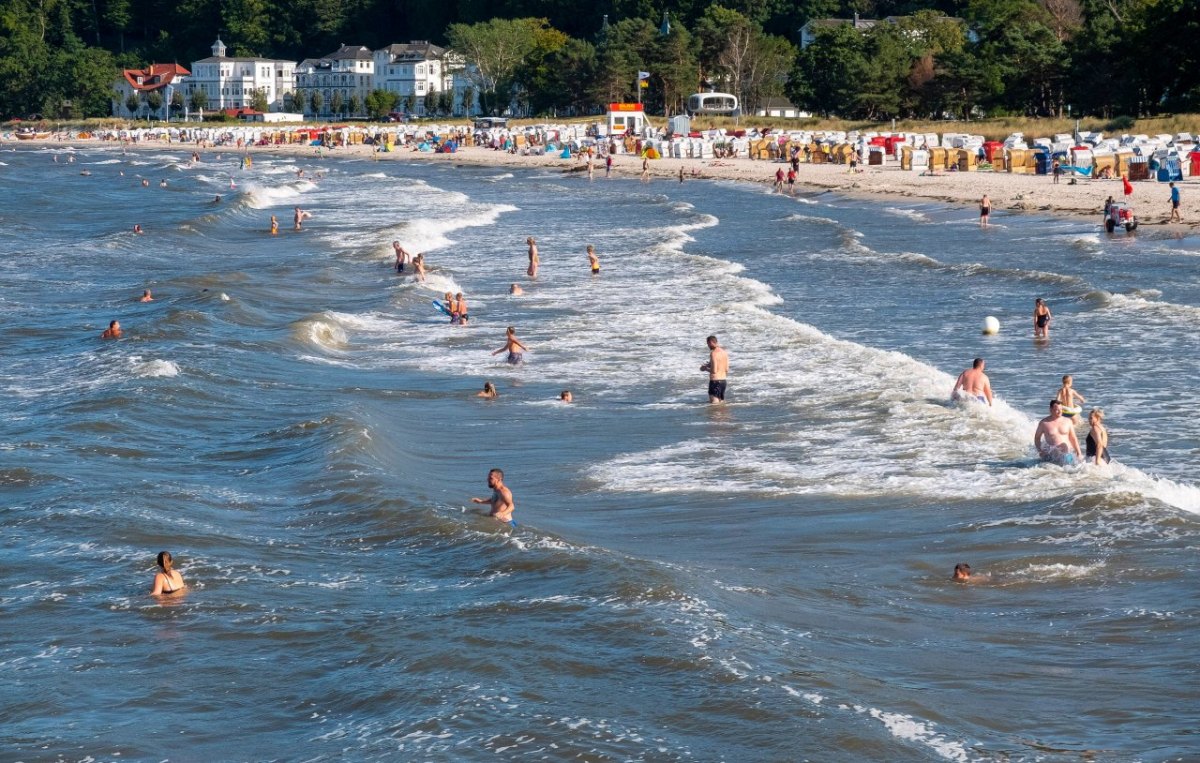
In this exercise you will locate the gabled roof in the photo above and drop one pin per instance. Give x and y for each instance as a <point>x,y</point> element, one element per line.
<point>153,77</point>
<point>240,59</point>
<point>417,50</point>
<point>351,53</point>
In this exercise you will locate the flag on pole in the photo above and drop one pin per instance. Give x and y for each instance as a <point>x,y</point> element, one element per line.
<point>643,75</point>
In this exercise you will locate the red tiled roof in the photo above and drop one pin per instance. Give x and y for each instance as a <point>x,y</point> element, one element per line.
<point>154,77</point>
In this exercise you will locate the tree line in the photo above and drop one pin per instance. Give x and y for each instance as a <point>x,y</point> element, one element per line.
<point>930,59</point>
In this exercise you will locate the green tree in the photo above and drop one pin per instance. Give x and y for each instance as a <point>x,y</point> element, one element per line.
<point>177,101</point>
<point>198,99</point>
<point>828,71</point>
<point>354,105</point>
<point>622,55</point>
<point>380,103</point>
<point>132,104</point>
<point>337,103</point>
<point>154,102</point>
<point>258,100</point>
<point>432,102</point>
<point>674,69</point>
<point>410,103</point>
<point>315,102</point>
<point>117,16</point>
<point>247,23</point>
<point>468,100</point>
<point>496,50</point>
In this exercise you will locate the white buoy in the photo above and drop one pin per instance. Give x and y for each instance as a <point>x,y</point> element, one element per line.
<point>991,325</point>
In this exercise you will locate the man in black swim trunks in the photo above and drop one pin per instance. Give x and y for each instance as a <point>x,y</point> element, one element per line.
<point>718,369</point>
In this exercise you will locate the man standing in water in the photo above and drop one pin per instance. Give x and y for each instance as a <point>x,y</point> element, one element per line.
<point>973,383</point>
<point>1054,439</point>
<point>501,500</point>
<point>718,369</point>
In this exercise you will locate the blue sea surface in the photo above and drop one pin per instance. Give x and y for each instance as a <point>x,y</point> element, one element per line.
<point>766,580</point>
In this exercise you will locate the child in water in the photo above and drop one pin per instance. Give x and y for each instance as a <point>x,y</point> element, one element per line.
<point>1067,396</point>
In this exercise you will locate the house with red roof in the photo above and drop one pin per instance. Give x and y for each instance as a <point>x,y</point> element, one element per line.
<point>164,79</point>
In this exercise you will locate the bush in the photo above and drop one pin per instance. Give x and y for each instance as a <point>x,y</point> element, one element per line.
<point>1118,123</point>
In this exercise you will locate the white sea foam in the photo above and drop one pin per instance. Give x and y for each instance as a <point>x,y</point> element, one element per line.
<point>153,368</point>
<point>911,214</point>
<point>911,730</point>
<point>324,331</point>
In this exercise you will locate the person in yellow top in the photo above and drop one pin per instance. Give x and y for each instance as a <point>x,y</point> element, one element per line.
<point>274,225</point>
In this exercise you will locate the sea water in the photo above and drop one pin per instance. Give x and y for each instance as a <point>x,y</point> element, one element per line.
<point>766,580</point>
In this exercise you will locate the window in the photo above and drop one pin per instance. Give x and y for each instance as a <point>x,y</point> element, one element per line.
<point>420,87</point>
<point>420,69</point>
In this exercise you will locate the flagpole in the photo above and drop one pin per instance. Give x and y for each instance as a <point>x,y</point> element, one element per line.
<point>638,85</point>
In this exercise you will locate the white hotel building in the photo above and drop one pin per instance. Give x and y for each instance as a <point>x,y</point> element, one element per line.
<point>348,71</point>
<point>419,68</point>
<point>230,82</point>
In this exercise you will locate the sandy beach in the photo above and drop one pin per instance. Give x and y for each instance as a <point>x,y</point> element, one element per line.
<point>1014,192</point>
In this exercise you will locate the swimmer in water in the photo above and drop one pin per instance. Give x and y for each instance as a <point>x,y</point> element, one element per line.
<point>1055,440</point>
<point>489,391</point>
<point>516,351</point>
<point>593,260</point>
<point>299,217</point>
<point>145,183</point>
<point>167,580</point>
<point>973,383</point>
<point>113,331</point>
<point>401,256</point>
<point>138,229</point>
<point>458,308</point>
<point>448,302</point>
<point>217,199</point>
<point>962,571</point>
<point>274,226</point>
<point>566,396</point>
<point>162,183</point>
<point>1067,396</point>
<point>515,290</point>
<point>1097,439</point>
<point>501,499</point>
<point>1041,319</point>
<point>419,267</point>
<point>534,259</point>
<point>146,296</point>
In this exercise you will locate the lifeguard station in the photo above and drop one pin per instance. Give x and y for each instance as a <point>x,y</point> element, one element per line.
<point>626,118</point>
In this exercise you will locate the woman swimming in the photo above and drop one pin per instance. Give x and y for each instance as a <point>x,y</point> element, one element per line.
<point>167,580</point>
<point>489,391</point>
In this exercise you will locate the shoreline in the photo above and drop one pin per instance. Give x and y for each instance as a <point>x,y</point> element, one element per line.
<point>1008,192</point>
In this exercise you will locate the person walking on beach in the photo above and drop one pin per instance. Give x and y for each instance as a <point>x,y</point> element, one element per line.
<point>167,580</point>
<point>1174,218</point>
<point>973,383</point>
<point>516,351</point>
<point>985,211</point>
<point>1055,440</point>
<point>779,176</point>
<point>1041,319</point>
<point>718,371</point>
<point>853,161</point>
<point>501,499</point>
<point>608,163</point>
<point>593,260</point>
<point>645,169</point>
<point>1097,439</point>
<point>534,260</point>
<point>1056,170</point>
<point>791,181</point>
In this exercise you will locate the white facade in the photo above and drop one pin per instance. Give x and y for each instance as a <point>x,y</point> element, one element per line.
<point>231,83</point>
<point>419,69</point>
<point>348,72</point>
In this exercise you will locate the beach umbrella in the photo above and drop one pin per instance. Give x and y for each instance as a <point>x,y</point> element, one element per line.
<point>1128,187</point>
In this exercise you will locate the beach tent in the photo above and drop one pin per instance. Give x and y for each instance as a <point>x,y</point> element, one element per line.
<point>967,159</point>
<point>937,158</point>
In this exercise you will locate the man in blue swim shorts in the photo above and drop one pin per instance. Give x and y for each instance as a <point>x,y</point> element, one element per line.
<point>973,383</point>
<point>1055,440</point>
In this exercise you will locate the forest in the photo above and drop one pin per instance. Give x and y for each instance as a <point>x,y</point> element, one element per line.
<point>932,59</point>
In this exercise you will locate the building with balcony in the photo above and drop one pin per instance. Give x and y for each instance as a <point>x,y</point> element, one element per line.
<point>343,79</point>
<point>421,71</point>
<point>164,79</point>
<point>230,82</point>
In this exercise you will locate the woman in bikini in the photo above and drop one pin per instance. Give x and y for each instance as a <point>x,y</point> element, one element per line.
<point>516,351</point>
<point>167,580</point>
<point>533,257</point>
<point>1041,319</point>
